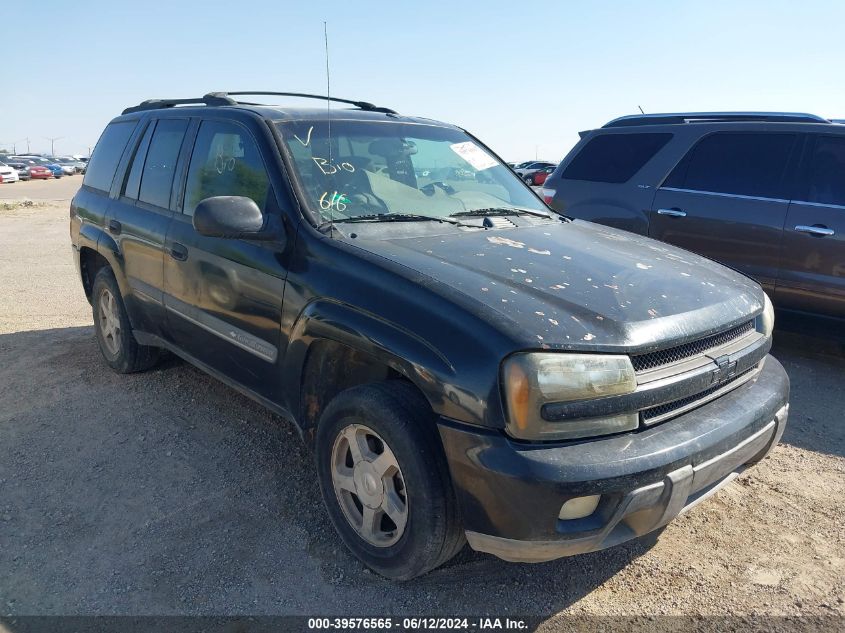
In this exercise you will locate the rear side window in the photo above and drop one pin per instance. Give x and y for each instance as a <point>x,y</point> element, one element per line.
<point>826,176</point>
<point>106,156</point>
<point>133,181</point>
<point>614,158</point>
<point>225,162</point>
<point>735,163</point>
<point>160,164</point>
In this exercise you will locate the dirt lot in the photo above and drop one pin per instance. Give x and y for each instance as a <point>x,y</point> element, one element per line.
<point>54,189</point>
<point>168,493</point>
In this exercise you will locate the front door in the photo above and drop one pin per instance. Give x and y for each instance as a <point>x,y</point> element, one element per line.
<point>223,297</point>
<point>727,200</point>
<point>812,275</point>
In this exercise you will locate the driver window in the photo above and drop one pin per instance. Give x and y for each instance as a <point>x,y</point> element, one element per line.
<point>225,162</point>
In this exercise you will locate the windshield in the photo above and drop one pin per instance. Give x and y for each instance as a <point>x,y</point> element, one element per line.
<point>383,168</point>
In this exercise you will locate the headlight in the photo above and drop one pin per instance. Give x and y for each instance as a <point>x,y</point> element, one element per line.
<point>532,380</point>
<point>766,321</point>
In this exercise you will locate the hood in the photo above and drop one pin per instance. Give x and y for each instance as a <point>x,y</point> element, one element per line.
<point>578,285</point>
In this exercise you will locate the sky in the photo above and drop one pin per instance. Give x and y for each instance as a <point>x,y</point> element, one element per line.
<point>523,77</point>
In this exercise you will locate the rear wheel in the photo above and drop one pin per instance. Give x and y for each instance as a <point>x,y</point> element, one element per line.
<point>385,481</point>
<point>114,332</point>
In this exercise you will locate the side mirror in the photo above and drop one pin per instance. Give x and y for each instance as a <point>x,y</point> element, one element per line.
<point>235,217</point>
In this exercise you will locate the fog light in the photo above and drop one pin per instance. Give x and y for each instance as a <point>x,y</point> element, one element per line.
<point>579,507</point>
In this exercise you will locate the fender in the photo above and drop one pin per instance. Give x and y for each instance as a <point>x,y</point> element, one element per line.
<point>94,237</point>
<point>398,348</point>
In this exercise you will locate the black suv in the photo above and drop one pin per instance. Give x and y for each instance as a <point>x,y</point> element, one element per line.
<point>465,363</point>
<point>761,192</point>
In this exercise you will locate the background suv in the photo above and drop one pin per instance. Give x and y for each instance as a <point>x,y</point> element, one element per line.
<point>761,192</point>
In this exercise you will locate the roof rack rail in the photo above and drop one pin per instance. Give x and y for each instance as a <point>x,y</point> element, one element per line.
<point>363,105</point>
<point>211,99</point>
<point>713,117</point>
<point>225,98</point>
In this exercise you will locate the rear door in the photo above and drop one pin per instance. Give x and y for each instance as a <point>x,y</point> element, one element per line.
<point>223,297</point>
<point>141,214</point>
<point>812,274</point>
<point>727,199</point>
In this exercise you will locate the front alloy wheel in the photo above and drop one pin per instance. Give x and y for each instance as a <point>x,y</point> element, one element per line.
<point>369,485</point>
<point>385,481</point>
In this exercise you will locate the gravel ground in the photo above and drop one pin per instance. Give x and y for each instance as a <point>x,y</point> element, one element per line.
<point>168,493</point>
<point>55,189</point>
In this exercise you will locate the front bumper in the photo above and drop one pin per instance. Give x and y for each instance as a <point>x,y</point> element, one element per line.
<point>511,493</point>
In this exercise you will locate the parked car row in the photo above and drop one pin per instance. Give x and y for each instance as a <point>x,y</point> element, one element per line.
<point>763,193</point>
<point>533,172</point>
<point>33,166</point>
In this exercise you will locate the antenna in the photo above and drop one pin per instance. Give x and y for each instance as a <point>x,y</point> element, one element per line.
<point>641,109</point>
<point>329,121</point>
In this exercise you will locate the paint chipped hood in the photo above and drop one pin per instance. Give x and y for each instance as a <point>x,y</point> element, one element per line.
<point>579,285</point>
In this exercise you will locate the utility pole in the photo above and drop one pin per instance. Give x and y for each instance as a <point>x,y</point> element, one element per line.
<point>52,143</point>
<point>15,145</point>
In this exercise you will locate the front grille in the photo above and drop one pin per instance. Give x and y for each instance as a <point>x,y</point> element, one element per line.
<point>660,358</point>
<point>649,416</point>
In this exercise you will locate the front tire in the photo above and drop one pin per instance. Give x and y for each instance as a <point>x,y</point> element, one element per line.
<point>385,481</point>
<point>114,332</point>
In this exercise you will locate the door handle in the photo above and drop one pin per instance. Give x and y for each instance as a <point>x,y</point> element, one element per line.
<point>115,227</point>
<point>819,231</point>
<point>674,213</point>
<point>178,251</point>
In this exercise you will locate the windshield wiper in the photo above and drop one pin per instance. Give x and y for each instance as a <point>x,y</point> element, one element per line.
<point>500,211</point>
<point>392,217</point>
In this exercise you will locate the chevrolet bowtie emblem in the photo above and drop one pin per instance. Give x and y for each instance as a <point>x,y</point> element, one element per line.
<point>726,369</point>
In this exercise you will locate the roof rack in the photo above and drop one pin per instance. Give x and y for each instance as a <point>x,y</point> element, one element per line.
<point>363,105</point>
<point>713,117</point>
<point>211,99</point>
<point>225,98</point>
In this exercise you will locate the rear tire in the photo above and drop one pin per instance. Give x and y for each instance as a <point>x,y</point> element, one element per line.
<point>114,332</point>
<point>393,424</point>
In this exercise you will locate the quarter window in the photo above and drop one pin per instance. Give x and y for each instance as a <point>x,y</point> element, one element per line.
<point>826,177</point>
<point>614,158</point>
<point>225,162</point>
<point>750,164</point>
<point>103,164</point>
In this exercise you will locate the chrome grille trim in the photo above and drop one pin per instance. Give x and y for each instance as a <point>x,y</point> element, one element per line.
<point>653,415</point>
<point>670,356</point>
